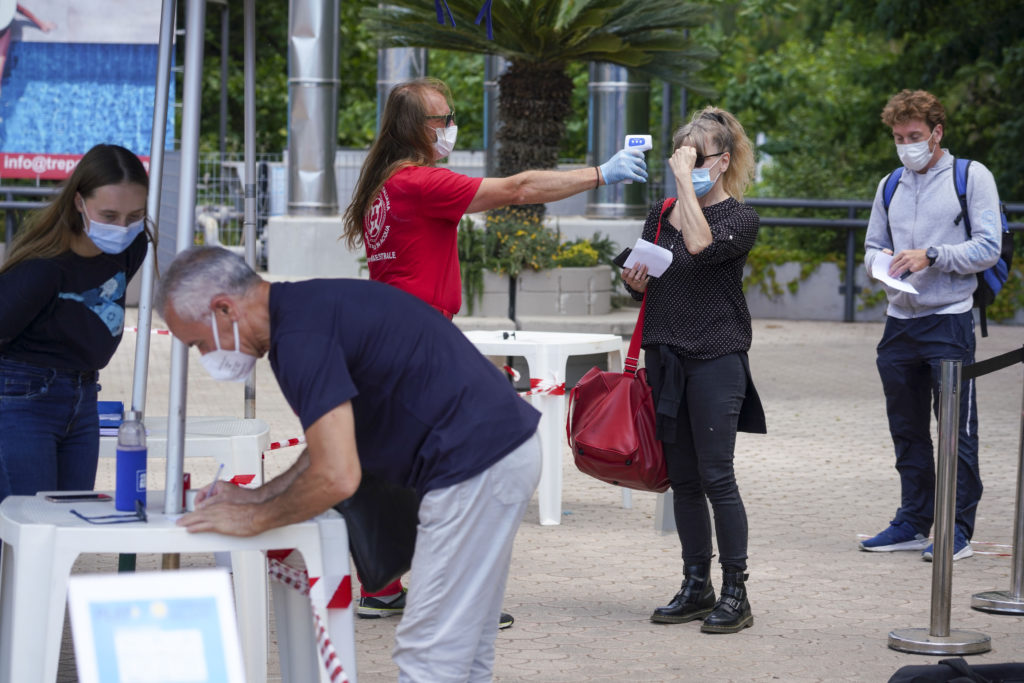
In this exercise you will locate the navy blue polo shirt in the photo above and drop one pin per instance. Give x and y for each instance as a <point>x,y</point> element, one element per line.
<point>430,410</point>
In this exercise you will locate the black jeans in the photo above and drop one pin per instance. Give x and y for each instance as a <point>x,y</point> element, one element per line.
<point>700,461</point>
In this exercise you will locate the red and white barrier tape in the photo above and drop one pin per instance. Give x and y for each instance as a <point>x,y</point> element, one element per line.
<point>551,387</point>
<point>135,329</point>
<point>299,580</point>
<point>286,443</point>
<point>538,386</point>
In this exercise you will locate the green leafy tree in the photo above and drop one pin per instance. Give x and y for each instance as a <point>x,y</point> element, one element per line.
<point>540,38</point>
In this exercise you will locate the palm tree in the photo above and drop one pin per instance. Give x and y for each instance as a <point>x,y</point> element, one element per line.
<point>539,38</point>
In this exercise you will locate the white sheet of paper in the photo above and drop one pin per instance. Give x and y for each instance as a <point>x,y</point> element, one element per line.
<point>880,270</point>
<point>657,259</point>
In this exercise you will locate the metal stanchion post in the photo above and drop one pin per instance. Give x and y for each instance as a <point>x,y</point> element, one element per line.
<point>938,639</point>
<point>1011,601</point>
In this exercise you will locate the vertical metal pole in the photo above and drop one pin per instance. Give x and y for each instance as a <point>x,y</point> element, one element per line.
<point>494,67</point>
<point>850,290</point>
<point>667,179</point>
<point>938,639</point>
<point>156,173</point>
<point>1017,577</point>
<point>396,65</point>
<point>1011,601</point>
<point>225,37</point>
<point>9,224</point>
<point>617,104</point>
<point>249,203</point>
<point>945,495</point>
<point>195,27</point>
<point>312,107</point>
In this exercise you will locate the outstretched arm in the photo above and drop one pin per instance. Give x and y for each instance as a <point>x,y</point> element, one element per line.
<point>539,187</point>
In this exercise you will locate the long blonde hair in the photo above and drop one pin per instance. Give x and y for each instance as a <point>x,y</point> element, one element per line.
<point>404,140</point>
<point>49,232</point>
<point>716,130</point>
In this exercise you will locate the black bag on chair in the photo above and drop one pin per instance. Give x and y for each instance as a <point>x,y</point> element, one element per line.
<point>381,518</point>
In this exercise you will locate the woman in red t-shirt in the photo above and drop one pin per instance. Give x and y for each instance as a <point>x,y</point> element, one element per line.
<point>405,212</point>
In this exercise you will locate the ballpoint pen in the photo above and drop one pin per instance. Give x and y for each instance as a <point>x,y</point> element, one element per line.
<point>209,491</point>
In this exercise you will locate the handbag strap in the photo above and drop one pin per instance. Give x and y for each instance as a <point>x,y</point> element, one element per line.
<point>633,354</point>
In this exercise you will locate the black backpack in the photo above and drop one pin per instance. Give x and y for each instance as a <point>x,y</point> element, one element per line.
<point>990,281</point>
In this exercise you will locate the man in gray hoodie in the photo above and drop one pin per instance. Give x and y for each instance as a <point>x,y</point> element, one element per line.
<point>931,250</point>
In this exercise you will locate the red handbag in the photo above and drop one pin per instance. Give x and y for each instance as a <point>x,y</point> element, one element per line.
<point>611,427</point>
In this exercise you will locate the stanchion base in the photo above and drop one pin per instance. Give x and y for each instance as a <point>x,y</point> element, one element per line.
<point>1000,602</point>
<point>918,641</point>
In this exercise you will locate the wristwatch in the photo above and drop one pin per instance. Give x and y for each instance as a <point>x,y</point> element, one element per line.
<point>932,253</point>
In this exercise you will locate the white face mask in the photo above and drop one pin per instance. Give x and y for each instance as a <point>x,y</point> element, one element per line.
<point>227,366</point>
<point>915,156</point>
<point>445,142</point>
<point>111,239</point>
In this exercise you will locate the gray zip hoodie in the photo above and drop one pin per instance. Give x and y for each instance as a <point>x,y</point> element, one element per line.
<point>921,215</point>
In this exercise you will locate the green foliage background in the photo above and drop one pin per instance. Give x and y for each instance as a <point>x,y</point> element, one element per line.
<point>808,78</point>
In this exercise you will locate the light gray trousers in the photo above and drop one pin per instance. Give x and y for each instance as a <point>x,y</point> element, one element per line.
<point>459,569</point>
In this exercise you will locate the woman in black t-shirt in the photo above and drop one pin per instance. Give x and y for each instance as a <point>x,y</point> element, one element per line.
<point>696,336</point>
<point>61,318</point>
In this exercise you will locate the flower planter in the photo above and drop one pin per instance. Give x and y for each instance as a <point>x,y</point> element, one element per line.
<point>558,291</point>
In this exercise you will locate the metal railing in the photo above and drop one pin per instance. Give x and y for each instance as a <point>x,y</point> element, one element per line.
<point>851,224</point>
<point>220,195</point>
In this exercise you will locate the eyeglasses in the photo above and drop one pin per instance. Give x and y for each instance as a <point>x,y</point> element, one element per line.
<point>449,118</point>
<point>714,116</point>
<point>138,516</point>
<point>702,157</point>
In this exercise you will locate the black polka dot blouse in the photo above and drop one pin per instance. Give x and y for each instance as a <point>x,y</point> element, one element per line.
<point>697,306</point>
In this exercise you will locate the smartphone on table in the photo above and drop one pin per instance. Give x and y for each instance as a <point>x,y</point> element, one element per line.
<point>76,497</point>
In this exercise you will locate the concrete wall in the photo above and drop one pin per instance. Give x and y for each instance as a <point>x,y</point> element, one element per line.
<point>816,298</point>
<point>559,291</point>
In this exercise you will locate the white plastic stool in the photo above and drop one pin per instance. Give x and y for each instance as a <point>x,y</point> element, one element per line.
<point>547,354</point>
<point>41,541</point>
<point>236,442</point>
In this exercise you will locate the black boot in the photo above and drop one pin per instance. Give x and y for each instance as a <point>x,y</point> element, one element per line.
<point>732,612</point>
<point>695,599</point>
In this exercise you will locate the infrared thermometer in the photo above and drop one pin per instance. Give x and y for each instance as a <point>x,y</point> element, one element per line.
<point>640,142</point>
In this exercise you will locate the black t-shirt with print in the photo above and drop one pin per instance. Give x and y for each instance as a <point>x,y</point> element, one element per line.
<point>67,312</point>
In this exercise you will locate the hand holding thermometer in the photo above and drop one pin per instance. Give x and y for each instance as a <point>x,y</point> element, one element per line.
<point>640,142</point>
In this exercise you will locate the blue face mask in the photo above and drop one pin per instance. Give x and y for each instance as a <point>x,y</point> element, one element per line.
<point>112,239</point>
<point>701,179</point>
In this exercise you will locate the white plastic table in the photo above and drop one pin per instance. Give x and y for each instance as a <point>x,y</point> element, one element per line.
<point>41,541</point>
<point>239,443</point>
<point>547,354</point>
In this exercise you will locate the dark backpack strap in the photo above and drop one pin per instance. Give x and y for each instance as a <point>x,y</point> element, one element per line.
<point>892,181</point>
<point>964,671</point>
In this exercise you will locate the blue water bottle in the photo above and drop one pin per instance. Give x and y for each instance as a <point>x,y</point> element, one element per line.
<point>131,463</point>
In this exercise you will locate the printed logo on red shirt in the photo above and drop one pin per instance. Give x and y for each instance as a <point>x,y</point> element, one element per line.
<point>375,224</point>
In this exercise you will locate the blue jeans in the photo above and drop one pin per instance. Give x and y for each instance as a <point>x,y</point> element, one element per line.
<point>909,358</point>
<point>49,429</point>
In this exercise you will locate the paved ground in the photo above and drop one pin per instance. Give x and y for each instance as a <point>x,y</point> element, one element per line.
<point>820,480</point>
